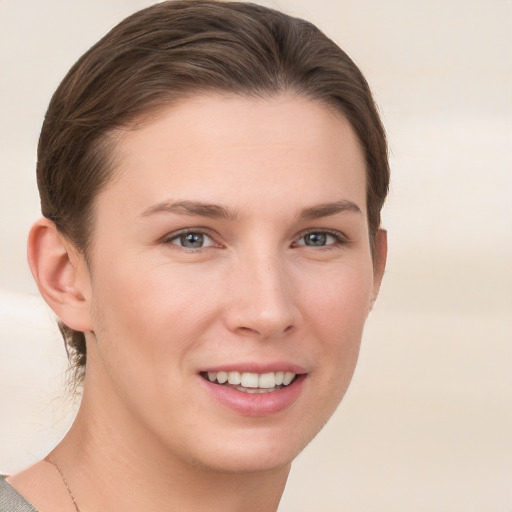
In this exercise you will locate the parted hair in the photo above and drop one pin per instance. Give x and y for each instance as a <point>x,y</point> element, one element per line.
<point>165,53</point>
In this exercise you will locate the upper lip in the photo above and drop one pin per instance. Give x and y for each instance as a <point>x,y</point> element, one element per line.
<point>257,367</point>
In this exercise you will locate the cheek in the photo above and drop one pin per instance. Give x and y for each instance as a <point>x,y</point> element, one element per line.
<point>337,312</point>
<point>146,325</point>
<point>153,312</point>
<point>339,298</point>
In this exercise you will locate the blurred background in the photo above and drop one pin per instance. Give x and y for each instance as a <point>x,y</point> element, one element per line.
<point>427,422</point>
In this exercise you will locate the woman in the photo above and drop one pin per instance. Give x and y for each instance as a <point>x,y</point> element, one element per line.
<point>211,178</point>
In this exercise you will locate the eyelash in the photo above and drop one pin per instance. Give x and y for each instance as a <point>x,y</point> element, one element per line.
<point>339,237</point>
<point>191,231</point>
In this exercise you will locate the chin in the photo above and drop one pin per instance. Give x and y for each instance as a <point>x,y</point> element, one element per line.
<point>246,460</point>
<point>252,450</point>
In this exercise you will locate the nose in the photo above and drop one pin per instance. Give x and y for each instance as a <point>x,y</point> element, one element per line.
<point>263,301</point>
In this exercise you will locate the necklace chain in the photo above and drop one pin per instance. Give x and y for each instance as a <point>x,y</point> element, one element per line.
<point>65,483</point>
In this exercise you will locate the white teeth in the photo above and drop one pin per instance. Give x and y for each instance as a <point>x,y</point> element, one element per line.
<point>267,380</point>
<point>253,380</point>
<point>222,377</point>
<point>234,378</point>
<point>249,380</point>
<point>288,377</point>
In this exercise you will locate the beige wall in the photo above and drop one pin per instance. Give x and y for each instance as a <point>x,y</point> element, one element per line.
<point>427,423</point>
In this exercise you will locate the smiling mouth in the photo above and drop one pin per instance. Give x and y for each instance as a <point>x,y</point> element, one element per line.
<point>247,382</point>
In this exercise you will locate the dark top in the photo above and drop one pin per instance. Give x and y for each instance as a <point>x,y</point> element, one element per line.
<point>11,500</point>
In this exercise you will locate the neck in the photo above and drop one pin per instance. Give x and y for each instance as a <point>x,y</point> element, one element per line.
<point>111,467</point>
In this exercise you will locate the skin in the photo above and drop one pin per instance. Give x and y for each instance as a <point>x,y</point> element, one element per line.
<point>156,313</point>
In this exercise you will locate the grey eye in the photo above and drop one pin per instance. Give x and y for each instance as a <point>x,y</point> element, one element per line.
<point>316,239</point>
<point>320,239</point>
<point>191,240</point>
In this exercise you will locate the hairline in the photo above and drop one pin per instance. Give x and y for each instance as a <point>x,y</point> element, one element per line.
<point>107,142</point>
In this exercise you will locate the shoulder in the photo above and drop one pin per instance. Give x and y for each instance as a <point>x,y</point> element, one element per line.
<point>11,500</point>
<point>38,487</point>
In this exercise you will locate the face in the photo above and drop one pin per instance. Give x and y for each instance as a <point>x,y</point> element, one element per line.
<point>230,278</point>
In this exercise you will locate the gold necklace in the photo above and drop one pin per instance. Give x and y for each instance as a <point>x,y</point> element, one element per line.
<point>65,483</point>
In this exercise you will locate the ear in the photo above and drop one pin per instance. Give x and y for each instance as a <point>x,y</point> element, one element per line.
<point>61,274</point>
<point>379,263</point>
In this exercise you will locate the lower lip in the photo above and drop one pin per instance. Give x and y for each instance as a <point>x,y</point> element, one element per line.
<point>256,404</point>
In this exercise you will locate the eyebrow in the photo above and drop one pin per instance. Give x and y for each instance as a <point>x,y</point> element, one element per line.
<point>327,209</point>
<point>197,208</point>
<point>216,211</point>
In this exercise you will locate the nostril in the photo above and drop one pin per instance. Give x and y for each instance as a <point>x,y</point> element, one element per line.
<point>252,331</point>
<point>247,330</point>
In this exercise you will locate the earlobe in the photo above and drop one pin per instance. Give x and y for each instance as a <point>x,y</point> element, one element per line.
<point>61,274</point>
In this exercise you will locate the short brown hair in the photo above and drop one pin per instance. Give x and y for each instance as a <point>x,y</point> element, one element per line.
<point>172,50</point>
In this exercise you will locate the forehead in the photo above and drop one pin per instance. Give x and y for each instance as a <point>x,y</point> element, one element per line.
<point>212,144</point>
